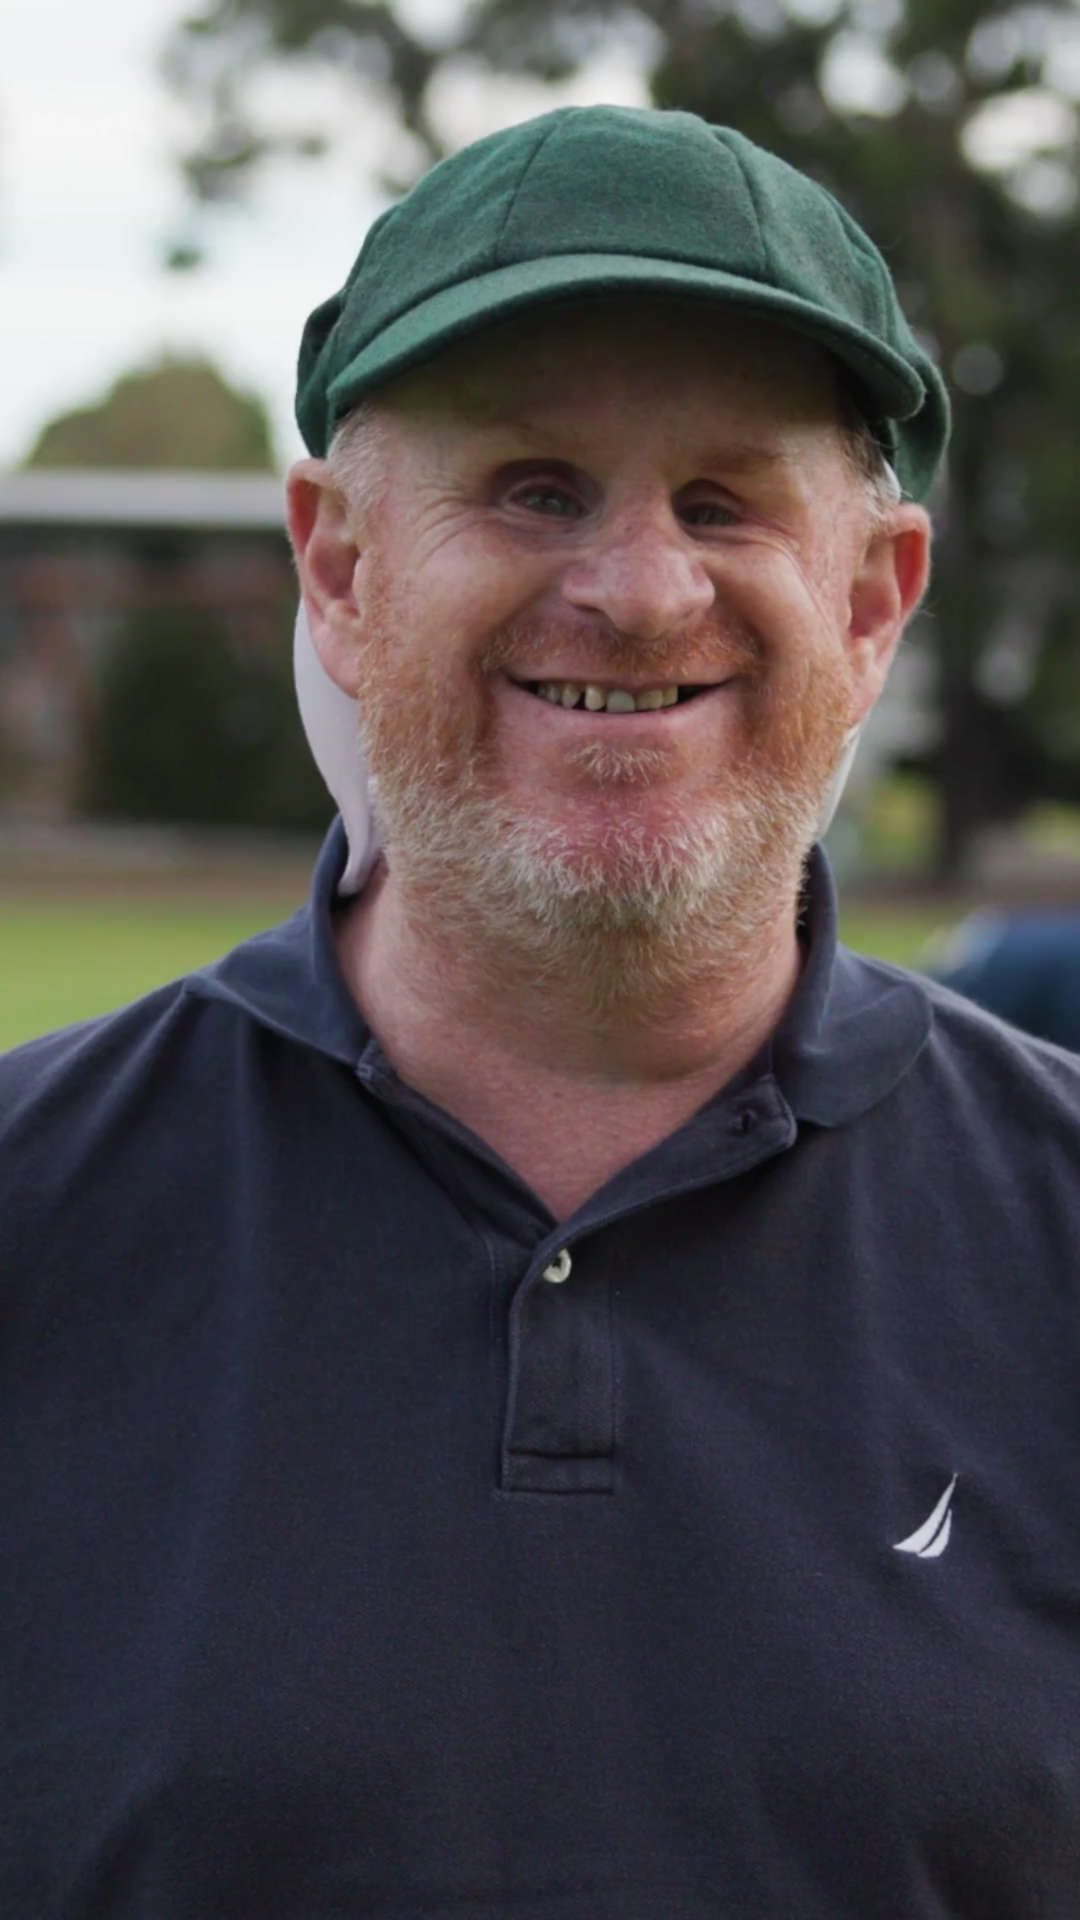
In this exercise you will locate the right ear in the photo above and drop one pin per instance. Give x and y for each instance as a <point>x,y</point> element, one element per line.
<point>327,554</point>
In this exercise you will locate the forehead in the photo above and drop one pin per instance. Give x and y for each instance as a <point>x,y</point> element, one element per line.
<point>668,360</point>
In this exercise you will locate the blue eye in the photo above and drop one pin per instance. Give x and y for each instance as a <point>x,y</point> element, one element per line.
<point>547,499</point>
<point>708,513</point>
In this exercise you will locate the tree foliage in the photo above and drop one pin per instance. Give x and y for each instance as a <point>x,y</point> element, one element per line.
<point>192,722</point>
<point>179,413</point>
<point>192,727</point>
<point>948,128</point>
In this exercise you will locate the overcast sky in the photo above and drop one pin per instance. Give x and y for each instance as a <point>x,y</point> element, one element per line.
<point>89,195</point>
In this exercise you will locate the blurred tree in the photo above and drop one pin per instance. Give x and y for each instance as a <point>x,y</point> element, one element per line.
<point>193,727</point>
<point>949,127</point>
<point>195,715</point>
<point>178,413</point>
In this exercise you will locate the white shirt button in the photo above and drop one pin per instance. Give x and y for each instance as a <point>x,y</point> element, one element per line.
<point>559,1269</point>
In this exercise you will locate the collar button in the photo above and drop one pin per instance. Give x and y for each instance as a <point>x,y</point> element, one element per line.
<point>559,1270</point>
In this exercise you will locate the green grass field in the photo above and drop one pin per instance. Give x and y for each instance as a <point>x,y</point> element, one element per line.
<point>65,960</point>
<point>62,961</point>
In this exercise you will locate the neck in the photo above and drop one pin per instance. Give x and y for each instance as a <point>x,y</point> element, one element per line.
<point>568,1065</point>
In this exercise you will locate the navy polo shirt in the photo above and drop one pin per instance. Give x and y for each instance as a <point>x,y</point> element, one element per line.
<point>374,1545</point>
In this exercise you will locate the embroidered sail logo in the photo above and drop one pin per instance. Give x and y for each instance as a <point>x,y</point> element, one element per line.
<point>931,1539</point>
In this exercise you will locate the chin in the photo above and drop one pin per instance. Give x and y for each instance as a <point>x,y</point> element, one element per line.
<point>644,875</point>
<point>629,843</point>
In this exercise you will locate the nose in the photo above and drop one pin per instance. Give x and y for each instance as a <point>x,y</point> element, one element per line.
<point>642,574</point>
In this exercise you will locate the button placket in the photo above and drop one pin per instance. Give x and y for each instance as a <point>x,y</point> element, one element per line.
<point>560,1430</point>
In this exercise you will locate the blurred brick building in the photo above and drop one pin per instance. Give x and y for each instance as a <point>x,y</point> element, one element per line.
<point>81,551</point>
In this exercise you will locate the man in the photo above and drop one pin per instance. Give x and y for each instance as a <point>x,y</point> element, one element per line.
<point>544,1387</point>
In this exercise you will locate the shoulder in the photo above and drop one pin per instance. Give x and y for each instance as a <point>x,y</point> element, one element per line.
<point>124,1135</point>
<point>64,1068</point>
<point>969,1169</point>
<point>168,1049</point>
<point>72,1098</point>
<point>93,1107</point>
<point>964,1035</point>
<point>80,1140</point>
<point>980,1081</point>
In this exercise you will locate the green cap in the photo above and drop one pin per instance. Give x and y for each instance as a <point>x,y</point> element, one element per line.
<point>602,200</point>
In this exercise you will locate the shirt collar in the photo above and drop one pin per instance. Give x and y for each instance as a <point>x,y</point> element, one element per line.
<point>851,1031</point>
<point>853,1026</point>
<point>289,978</point>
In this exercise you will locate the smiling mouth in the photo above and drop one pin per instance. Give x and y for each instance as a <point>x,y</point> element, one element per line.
<point>595,699</point>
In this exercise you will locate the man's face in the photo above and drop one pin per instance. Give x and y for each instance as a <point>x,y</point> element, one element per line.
<point>603,605</point>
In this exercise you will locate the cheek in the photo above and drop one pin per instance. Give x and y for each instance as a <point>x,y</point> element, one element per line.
<point>825,570</point>
<point>419,676</point>
<point>795,604</point>
<point>475,575</point>
<point>803,703</point>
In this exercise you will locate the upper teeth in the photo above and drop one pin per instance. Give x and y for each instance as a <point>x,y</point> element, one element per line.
<point>572,693</point>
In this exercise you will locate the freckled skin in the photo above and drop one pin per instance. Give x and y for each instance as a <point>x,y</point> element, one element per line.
<point>589,475</point>
<point>635,494</point>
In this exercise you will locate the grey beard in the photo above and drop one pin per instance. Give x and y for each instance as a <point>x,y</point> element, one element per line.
<point>637,918</point>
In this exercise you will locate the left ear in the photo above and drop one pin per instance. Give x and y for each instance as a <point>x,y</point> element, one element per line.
<point>889,583</point>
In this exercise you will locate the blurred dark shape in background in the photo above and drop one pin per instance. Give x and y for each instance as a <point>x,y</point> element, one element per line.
<point>146,615</point>
<point>949,128</point>
<point>196,724</point>
<point>1025,967</point>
